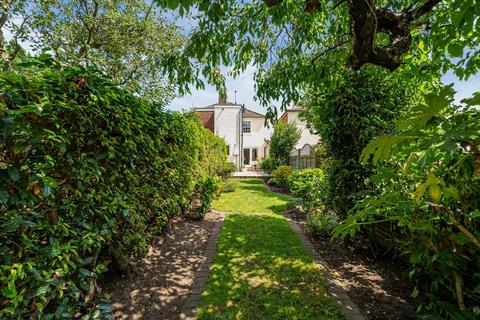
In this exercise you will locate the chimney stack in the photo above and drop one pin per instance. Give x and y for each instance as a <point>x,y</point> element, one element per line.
<point>222,97</point>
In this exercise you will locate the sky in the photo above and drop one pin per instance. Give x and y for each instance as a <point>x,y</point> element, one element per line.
<point>244,85</point>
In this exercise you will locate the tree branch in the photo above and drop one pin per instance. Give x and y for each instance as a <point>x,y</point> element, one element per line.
<point>366,21</point>
<point>426,7</point>
<point>272,3</point>
<point>3,49</point>
<point>317,56</point>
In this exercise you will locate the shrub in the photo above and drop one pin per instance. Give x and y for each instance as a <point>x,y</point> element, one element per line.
<point>206,191</point>
<point>280,176</point>
<point>269,165</point>
<point>227,169</point>
<point>434,199</point>
<point>284,138</point>
<point>89,173</point>
<point>294,202</point>
<point>347,116</point>
<point>322,223</point>
<point>229,186</point>
<point>309,185</point>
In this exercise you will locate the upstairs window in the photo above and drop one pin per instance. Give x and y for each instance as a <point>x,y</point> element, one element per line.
<point>247,126</point>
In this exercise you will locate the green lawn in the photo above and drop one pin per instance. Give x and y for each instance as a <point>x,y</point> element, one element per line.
<point>261,270</point>
<point>251,195</point>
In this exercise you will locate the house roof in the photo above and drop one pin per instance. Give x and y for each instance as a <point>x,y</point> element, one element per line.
<point>294,108</point>
<point>246,114</point>
<point>219,104</point>
<point>252,114</point>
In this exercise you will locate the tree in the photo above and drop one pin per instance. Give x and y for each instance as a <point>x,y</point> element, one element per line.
<point>284,138</point>
<point>126,39</point>
<point>310,40</point>
<point>9,50</point>
<point>360,107</point>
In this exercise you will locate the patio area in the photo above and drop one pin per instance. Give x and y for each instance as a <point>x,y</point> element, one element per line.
<point>250,174</point>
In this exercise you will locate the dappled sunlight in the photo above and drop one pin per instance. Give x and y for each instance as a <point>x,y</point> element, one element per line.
<point>261,271</point>
<point>161,281</point>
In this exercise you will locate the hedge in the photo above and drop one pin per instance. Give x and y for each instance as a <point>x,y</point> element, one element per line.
<point>89,173</point>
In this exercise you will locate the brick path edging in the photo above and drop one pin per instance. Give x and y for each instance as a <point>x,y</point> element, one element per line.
<point>349,309</point>
<point>193,300</point>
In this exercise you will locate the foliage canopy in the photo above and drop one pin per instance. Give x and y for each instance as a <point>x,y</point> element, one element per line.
<point>310,44</point>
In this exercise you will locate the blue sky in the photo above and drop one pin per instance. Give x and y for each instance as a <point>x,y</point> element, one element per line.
<point>244,84</point>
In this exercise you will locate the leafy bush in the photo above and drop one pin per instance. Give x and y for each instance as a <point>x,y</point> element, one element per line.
<point>227,169</point>
<point>280,176</point>
<point>309,185</point>
<point>206,191</point>
<point>284,137</point>
<point>89,173</point>
<point>430,187</point>
<point>322,223</point>
<point>269,165</point>
<point>294,202</point>
<point>229,186</point>
<point>358,108</point>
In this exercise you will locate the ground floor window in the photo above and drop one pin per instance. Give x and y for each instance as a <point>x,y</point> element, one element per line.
<point>246,156</point>
<point>249,155</point>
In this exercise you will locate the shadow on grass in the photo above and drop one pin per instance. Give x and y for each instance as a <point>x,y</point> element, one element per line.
<point>261,271</point>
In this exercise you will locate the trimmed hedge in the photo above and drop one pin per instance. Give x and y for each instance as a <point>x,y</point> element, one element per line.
<point>89,173</point>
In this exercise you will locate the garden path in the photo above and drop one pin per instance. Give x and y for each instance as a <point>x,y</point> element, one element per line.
<point>161,282</point>
<point>264,267</point>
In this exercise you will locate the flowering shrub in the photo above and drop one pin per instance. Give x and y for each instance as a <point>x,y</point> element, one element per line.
<point>89,173</point>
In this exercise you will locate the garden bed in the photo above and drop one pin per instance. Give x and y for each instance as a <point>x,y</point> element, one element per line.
<point>377,287</point>
<point>159,283</point>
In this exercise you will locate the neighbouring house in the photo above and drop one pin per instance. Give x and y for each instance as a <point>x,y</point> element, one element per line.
<point>303,154</point>
<point>242,129</point>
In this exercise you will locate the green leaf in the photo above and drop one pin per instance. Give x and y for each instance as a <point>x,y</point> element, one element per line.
<point>13,173</point>
<point>10,291</point>
<point>455,50</point>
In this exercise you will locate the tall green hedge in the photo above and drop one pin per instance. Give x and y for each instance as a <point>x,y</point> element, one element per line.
<point>88,174</point>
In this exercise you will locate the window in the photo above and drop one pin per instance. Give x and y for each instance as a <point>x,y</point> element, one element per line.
<point>246,156</point>
<point>247,125</point>
<point>228,150</point>
<point>254,154</point>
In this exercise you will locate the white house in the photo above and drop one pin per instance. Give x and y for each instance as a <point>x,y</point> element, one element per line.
<point>307,137</point>
<point>242,129</point>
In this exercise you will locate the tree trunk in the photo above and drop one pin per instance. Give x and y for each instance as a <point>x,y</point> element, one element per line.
<point>3,47</point>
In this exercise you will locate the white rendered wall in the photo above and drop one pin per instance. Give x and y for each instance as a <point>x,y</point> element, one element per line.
<point>307,136</point>
<point>256,137</point>
<point>227,119</point>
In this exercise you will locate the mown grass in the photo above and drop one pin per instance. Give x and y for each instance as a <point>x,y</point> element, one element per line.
<point>250,195</point>
<point>261,270</point>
